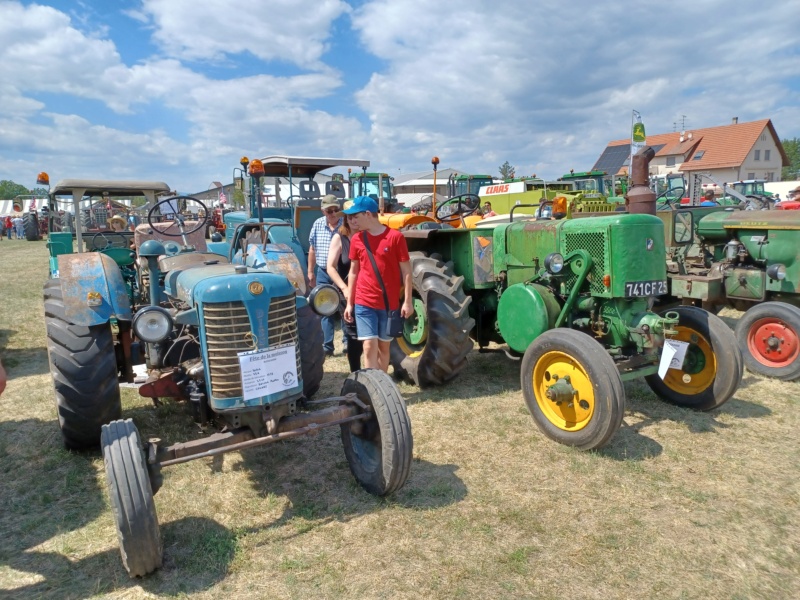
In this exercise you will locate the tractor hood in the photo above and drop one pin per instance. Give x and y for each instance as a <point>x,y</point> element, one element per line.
<point>222,283</point>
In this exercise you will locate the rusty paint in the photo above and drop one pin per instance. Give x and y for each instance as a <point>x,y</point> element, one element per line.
<point>160,384</point>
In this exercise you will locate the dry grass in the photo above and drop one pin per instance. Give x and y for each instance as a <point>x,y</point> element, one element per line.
<point>680,505</point>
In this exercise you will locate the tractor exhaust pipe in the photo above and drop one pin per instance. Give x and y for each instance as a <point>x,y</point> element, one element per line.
<point>640,199</point>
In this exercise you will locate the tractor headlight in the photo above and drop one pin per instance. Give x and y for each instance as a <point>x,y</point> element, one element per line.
<point>324,299</point>
<point>554,263</point>
<point>152,324</point>
<point>776,271</point>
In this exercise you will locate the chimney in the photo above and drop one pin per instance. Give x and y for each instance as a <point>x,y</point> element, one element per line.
<point>735,121</point>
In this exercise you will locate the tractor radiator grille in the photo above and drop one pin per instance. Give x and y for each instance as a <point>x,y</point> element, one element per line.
<point>228,332</point>
<point>594,244</point>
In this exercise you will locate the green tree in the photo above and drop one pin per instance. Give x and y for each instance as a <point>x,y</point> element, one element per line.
<point>10,190</point>
<point>507,171</point>
<point>792,149</point>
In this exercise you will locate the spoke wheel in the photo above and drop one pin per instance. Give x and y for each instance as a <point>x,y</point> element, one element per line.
<point>712,368</point>
<point>572,388</point>
<point>769,336</point>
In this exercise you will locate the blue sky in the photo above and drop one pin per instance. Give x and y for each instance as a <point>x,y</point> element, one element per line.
<point>179,90</point>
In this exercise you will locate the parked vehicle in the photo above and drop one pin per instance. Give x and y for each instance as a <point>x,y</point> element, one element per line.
<point>236,340</point>
<point>573,298</point>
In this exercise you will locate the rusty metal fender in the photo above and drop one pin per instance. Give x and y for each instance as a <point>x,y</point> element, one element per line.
<point>92,272</point>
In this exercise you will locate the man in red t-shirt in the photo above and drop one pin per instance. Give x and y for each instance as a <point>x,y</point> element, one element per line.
<point>365,302</point>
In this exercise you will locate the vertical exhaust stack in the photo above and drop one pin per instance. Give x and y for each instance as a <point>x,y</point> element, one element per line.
<point>640,199</point>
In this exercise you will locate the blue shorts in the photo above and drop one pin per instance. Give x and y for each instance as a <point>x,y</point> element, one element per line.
<point>371,323</point>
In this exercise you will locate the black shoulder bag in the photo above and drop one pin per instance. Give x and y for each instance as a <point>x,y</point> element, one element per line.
<point>395,320</point>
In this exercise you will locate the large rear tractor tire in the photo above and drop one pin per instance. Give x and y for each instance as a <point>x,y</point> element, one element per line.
<point>30,224</point>
<point>84,369</point>
<point>379,450</point>
<point>712,368</point>
<point>435,342</point>
<point>309,330</point>
<point>572,388</point>
<point>131,498</point>
<point>769,337</point>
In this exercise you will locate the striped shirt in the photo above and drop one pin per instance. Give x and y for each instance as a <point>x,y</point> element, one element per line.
<point>320,238</point>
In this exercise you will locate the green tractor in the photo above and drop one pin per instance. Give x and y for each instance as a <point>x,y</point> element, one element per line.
<point>230,335</point>
<point>746,259</point>
<point>573,298</point>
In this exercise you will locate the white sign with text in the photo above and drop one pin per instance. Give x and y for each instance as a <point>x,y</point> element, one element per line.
<point>266,372</point>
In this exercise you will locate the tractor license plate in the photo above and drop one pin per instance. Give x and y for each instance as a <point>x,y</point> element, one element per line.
<point>645,288</point>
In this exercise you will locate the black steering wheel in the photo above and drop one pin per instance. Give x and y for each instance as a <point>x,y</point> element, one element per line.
<point>177,204</point>
<point>466,204</point>
<point>104,235</point>
<point>668,197</point>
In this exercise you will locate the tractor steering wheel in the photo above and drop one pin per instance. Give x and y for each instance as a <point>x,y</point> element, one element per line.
<point>175,204</point>
<point>669,196</point>
<point>104,235</point>
<point>466,204</point>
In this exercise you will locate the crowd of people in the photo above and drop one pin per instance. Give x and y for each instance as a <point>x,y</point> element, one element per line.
<point>12,227</point>
<point>369,263</point>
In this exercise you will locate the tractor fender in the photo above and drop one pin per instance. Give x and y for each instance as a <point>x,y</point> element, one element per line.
<point>83,274</point>
<point>526,311</point>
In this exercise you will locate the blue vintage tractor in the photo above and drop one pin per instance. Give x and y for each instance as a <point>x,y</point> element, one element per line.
<point>239,343</point>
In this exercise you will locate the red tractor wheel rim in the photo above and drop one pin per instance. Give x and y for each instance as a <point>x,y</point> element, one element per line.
<point>773,343</point>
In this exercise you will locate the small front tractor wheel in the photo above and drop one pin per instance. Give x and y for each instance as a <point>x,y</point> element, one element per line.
<point>712,368</point>
<point>84,368</point>
<point>435,341</point>
<point>572,388</point>
<point>309,330</point>
<point>30,225</point>
<point>769,337</point>
<point>131,498</point>
<point>378,450</point>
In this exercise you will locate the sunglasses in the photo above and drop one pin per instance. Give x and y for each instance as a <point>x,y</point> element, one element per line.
<point>331,211</point>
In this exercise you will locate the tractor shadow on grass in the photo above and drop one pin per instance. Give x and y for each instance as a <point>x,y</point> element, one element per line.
<point>198,553</point>
<point>315,479</point>
<point>49,494</point>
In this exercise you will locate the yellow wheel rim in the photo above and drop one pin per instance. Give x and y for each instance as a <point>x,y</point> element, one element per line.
<point>569,415</point>
<point>699,366</point>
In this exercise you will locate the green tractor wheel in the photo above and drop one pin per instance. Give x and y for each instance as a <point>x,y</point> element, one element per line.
<point>572,388</point>
<point>435,341</point>
<point>712,368</point>
<point>84,368</point>
<point>769,338</point>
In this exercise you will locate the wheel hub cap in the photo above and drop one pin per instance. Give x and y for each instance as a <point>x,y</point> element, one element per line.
<point>773,342</point>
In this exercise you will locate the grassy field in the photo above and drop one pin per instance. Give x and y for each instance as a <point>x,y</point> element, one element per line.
<point>679,505</point>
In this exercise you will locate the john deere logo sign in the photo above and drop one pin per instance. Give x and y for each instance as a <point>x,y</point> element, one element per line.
<point>638,132</point>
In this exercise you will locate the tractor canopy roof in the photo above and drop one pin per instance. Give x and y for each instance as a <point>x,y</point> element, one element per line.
<point>306,166</point>
<point>110,187</point>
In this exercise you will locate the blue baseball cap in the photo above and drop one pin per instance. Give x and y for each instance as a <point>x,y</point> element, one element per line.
<point>362,204</point>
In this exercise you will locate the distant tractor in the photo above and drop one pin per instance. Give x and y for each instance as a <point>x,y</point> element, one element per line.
<point>746,259</point>
<point>573,298</point>
<point>229,334</point>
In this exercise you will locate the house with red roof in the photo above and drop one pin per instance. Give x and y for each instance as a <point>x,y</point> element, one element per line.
<point>729,153</point>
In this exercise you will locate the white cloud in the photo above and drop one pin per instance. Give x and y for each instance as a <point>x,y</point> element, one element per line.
<point>289,30</point>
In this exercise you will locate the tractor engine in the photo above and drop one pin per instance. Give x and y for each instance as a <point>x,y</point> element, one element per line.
<point>225,337</point>
<point>598,275</point>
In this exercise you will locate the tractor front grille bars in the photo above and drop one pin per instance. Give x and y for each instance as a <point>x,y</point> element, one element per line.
<point>228,332</point>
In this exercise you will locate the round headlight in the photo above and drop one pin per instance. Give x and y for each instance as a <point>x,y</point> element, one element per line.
<point>554,263</point>
<point>324,299</point>
<point>152,324</point>
<point>776,271</point>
